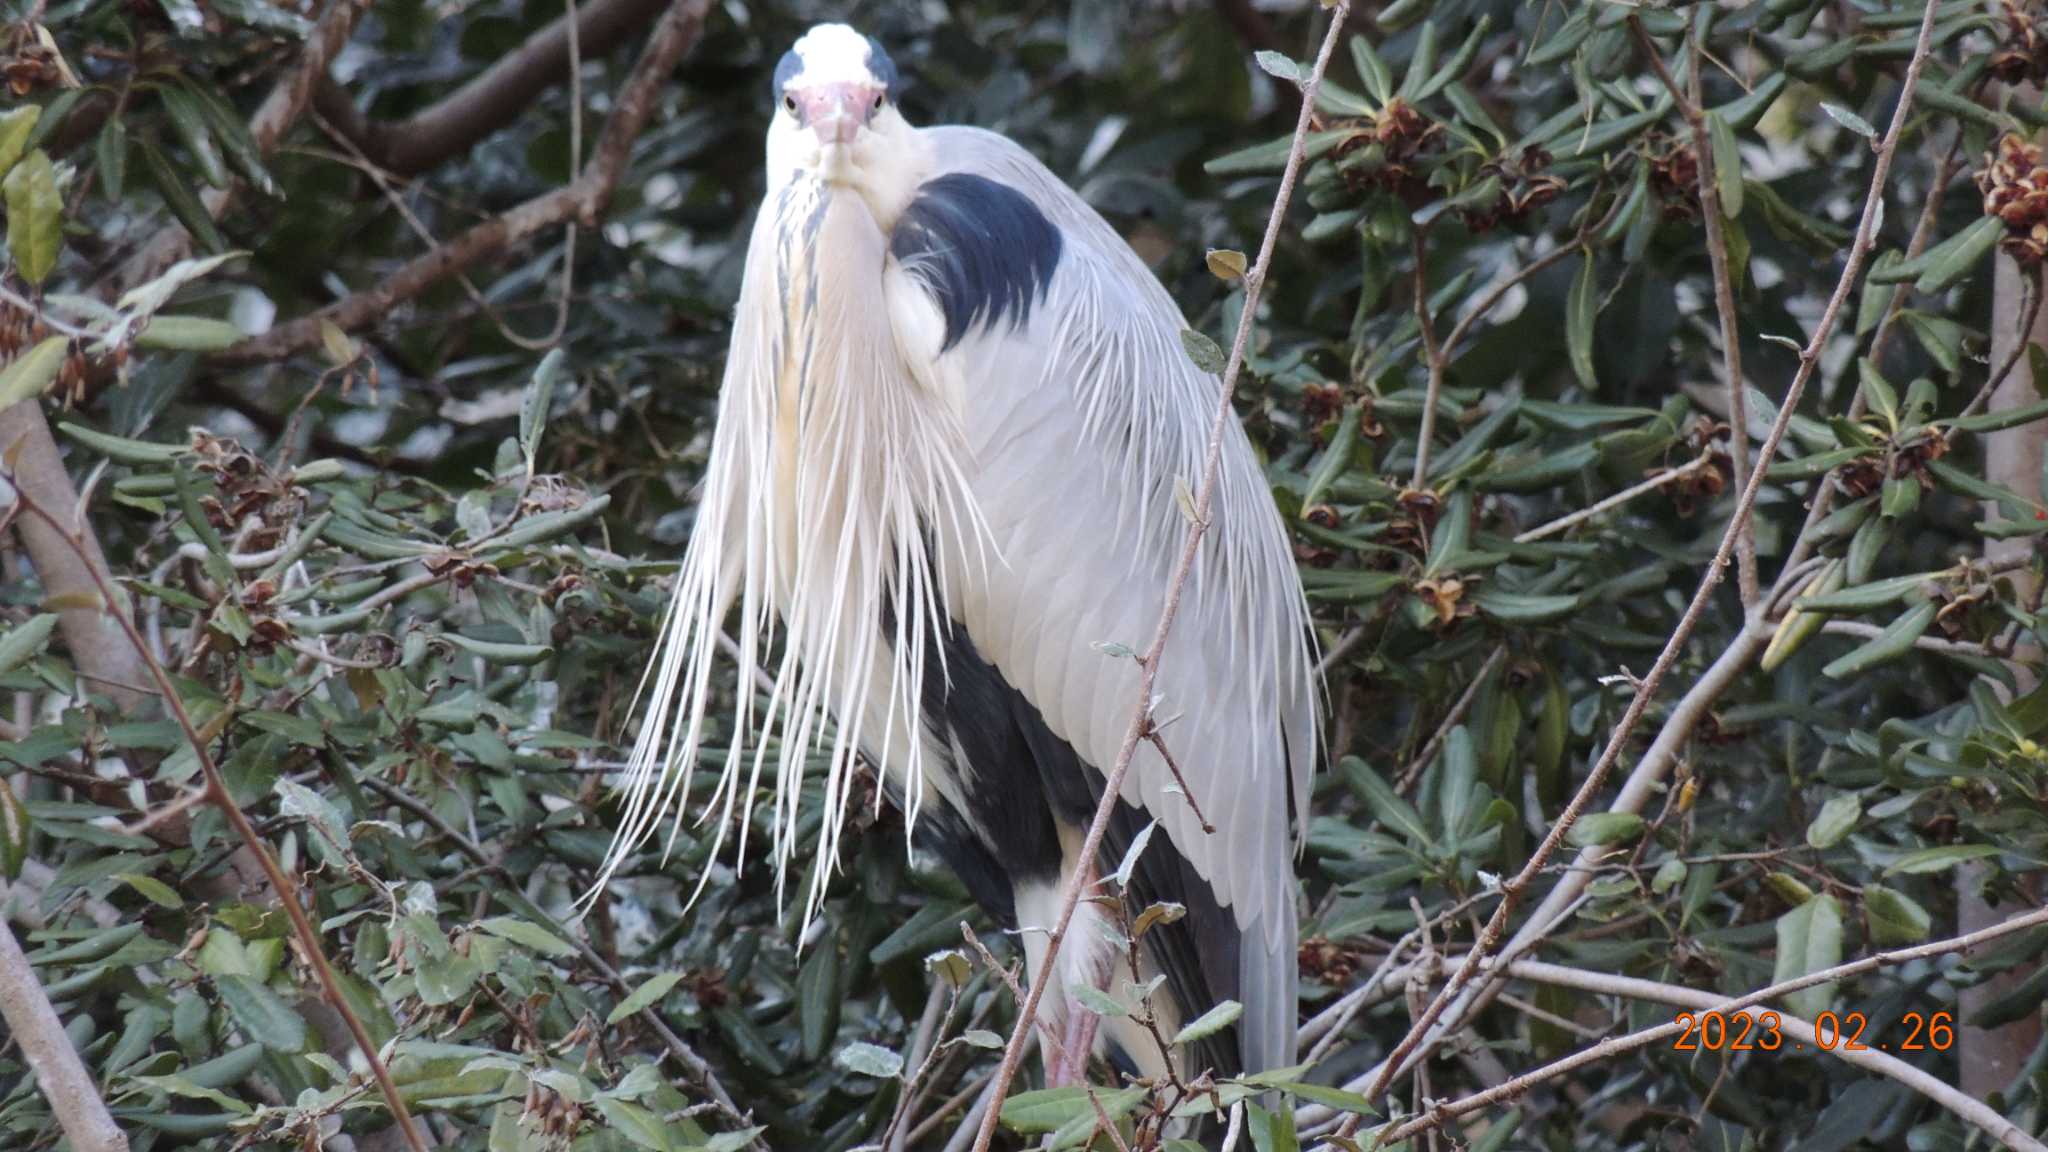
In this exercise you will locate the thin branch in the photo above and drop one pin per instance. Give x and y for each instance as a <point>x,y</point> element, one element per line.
<point>1568,888</point>
<point>1615,501</point>
<point>1688,102</point>
<point>1141,714</point>
<point>582,200</point>
<point>63,1079</point>
<point>1451,719</point>
<point>493,99</point>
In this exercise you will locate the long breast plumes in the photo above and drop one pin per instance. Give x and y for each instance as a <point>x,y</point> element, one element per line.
<point>832,475</point>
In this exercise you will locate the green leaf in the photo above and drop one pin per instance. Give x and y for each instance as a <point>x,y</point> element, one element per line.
<point>645,996</point>
<point>1271,1131</point>
<point>1602,828</point>
<point>21,642</point>
<point>865,1059</point>
<point>15,826</point>
<point>1371,69</point>
<point>1849,120</point>
<point>1203,351</point>
<point>1894,918</point>
<point>1581,308</point>
<point>1837,818</point>
<point>188,121</point>
<point>35,216</point>
<point>152,889</point>
<point>1210,1023</point>
<point>1940,336</point>
<point>1809,940</point>
<point>1386,804</point>
<point>1958,257</point>
<point>1272,156</point>
<point>1727,165</point>
<point>17,126</point>
<point>1052,1109</point>
<point>534,405</point>
<point>1939,859</point>
<point>262,1017</point>
<point>1335,459</point>
<point>110,152</point>
<point>819,997</point>
<point>188,334</point>
<point>1519,608</point>
<point>1895,641</point>
<point>181,200</point>
<point>528,934</point>
<point>1280,66</point>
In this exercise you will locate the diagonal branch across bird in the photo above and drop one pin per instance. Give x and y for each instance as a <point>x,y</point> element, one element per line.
<point>954,414</point>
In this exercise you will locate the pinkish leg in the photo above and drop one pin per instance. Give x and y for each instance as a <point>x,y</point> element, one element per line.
<point>1070,1066</point>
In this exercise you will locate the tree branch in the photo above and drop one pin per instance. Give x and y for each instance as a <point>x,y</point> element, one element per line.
<point>491,100</point>
<point>1688,103</point>
<point>1141,714</point>
<point>91,635</point>
<point>583,200</point>
<point>58,1072</point>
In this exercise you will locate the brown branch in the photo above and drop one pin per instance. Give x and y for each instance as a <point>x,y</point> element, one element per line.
<point>1148,667</point>
<point>491,100</point>
<point>582,200</point>
<point>67,575</point>
<point>1574,882</point>
<point>63,1079</point>
<point>1688,102</point>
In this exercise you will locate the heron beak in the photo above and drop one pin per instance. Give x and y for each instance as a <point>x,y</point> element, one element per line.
<point>836,112</point>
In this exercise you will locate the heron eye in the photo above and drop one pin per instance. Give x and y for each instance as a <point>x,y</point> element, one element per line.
<point>789,102</point>
<point>881,98</point>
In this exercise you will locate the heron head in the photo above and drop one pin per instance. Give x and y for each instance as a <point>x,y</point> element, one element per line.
<point>835,113</point>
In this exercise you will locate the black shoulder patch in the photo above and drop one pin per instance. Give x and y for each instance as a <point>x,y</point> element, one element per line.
<point>982,249</point>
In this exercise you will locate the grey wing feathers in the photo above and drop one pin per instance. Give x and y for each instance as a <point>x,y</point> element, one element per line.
<point>1089,536</point>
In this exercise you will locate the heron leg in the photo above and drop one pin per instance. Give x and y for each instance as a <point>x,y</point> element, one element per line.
<point>1070,1065</point>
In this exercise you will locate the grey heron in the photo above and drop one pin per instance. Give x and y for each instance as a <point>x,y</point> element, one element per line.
<point>950,432</point>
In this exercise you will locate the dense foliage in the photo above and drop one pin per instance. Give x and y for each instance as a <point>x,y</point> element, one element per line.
<point>401,566</point>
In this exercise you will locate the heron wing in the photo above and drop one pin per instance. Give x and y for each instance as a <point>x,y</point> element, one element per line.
<point>1087,427</point>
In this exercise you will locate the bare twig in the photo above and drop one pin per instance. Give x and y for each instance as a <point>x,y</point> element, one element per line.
<point>1568,889</point>
<point>582,200</point>
<point>1615,501</point>
<point>1451,719</point>
<point>1141,718</point>
<point>65,1082</point>
<point>1688,102</point>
